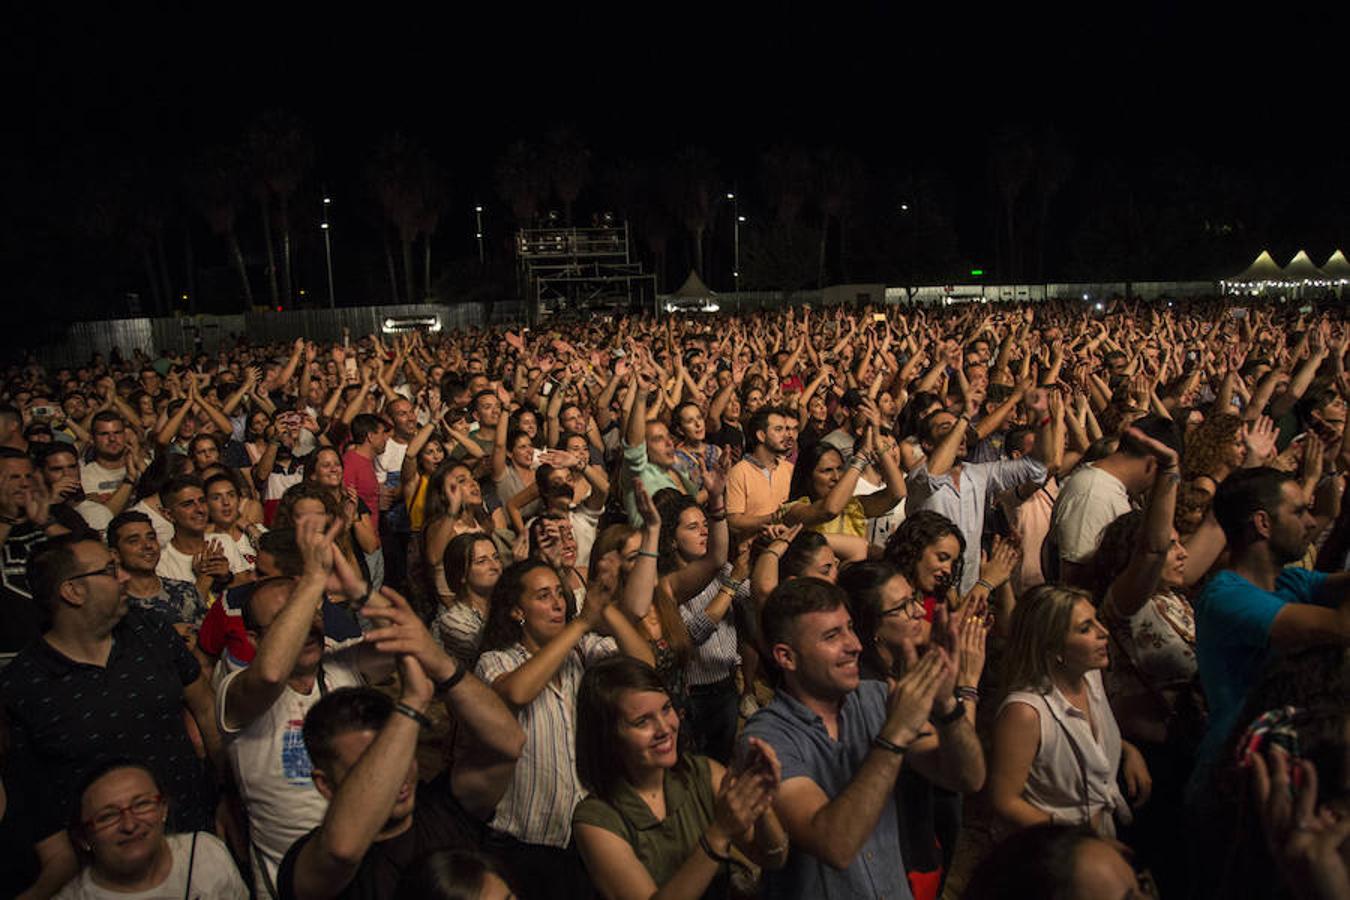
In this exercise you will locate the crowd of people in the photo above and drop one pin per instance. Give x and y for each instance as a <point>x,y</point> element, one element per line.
<point>987,601</point>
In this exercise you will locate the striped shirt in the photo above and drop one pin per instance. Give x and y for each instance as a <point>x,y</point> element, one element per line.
<point>459,629</point>
<point>544,790</point>
<point>715,656</point>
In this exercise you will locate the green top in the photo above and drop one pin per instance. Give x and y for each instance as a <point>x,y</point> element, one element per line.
<point>661,846</point>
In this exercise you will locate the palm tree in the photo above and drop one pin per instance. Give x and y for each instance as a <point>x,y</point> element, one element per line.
<point>785,173</point>
<point>1011,164</point>
<point>522,181</point>
<point>215,187</point>
<point>282,153</point>
<point>690,188</point>
<point>841,176</point>
<point>568,162</point>
<point>410,189</point>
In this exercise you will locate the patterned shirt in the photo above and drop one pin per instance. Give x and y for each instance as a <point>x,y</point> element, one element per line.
<point>177,601</point>
<point>537,806</point>
<point>66,716</point>
<point>715,655</point>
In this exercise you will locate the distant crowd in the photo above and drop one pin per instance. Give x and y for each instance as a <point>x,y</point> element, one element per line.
<point>986,602</point>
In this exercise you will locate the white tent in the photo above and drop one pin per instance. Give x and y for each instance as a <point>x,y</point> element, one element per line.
<point>693,289</point>
<point>1337,267</point>
<point>1264,268</point>
<point>1302,268</point>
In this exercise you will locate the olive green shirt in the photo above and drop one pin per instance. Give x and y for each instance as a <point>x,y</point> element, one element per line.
<point>662,846</point>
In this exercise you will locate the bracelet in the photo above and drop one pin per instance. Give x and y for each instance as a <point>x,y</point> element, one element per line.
<point>773,552</point>
<point>882,744</point>
<point>980,582</point>
<point>1044,422</point>
<point>649,554</point>
<point>448,684</point>
<point>704,843</point>
<point>719,517</point>
<point>404,709</point>
<point>955,715</point>
<point>730,583</point>
<point>965,692</point>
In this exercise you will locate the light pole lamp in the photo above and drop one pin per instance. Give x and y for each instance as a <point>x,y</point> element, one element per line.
<point>736,220</point>
<point>328,250</point>
<point>478,231</point>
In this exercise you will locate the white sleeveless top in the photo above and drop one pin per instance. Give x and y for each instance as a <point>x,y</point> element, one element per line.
<point>1055,781</point>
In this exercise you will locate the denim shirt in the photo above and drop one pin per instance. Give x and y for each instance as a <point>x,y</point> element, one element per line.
<point>805,749</point>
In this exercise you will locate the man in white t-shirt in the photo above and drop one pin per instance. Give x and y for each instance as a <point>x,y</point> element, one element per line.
<point>212,564</point>
<point>1097,494</point>
<point>102,475</point>
<point>261,709</point>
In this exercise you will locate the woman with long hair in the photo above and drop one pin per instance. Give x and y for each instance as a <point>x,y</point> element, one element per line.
<point>888,617</point>
<point>1224,443</point>
<point>928,549</point>
<point>119,835</point>
<point>514,459</point>
<point>655,816</point>
<point>454,506</point>
<point>821,495</point>
<point>324,468</point>
<point>534,652</point>
<point>693,453</point>
<point>472,567</point>
<point>1057,749</point>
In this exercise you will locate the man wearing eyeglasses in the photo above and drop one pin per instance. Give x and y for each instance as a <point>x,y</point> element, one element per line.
<point>105,681</point>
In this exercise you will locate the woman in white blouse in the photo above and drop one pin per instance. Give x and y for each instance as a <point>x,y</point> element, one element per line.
<point>1057,749</point>
<point>533,654</point>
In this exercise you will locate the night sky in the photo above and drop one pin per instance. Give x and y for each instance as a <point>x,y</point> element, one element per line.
<point>1146,85</point>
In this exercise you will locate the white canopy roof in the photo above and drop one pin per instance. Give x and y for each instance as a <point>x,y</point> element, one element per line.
<point>1302,268</point>
<point>1337,266</point>
<point>693,288</point>
<point>1264,268</point>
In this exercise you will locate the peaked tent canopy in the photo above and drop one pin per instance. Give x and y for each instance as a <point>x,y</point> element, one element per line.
<point>693,288</point>
<point>1264,268</point>
<point>1301,268</point>
<point>1337,266</point>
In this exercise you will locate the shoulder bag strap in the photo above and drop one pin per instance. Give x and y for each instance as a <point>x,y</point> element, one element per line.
<point>192,856</point>
<point>1077,755</point>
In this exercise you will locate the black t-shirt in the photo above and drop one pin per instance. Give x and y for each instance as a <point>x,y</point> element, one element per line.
<point>22,619</point>
<point>728,436</point>
<point>439,823</point>
<point>66,717</point>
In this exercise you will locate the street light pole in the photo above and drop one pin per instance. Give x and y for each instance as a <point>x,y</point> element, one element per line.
<point>328,251</point>
<point>737,219</point>
<point>478,232</point>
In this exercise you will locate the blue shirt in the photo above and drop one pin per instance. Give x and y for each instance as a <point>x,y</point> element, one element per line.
<point>805,749</point>
<point>1232,631</point>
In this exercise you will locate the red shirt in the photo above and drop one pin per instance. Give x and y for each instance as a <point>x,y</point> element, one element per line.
<point>359,472</point>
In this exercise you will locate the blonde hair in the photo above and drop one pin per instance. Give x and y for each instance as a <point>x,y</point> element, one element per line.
<point>1040,627</point>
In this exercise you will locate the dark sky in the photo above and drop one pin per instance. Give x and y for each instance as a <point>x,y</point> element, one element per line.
<point>1139,79</point>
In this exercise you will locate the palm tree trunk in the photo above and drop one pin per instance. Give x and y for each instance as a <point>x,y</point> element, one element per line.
<point>190,269</point>
<point>824,237</point>
<point>237,258</point>
<point>408,283</point>
<point>393,273</point>
<point>426,265</point>
<point>271,253</point>
<point>286,282</point>
<point>162,262</point>
<point>151,279</point>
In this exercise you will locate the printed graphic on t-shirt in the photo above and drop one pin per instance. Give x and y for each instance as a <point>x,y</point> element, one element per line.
<point>295,764</point>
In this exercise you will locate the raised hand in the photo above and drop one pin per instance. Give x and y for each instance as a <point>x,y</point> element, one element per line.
<point>1166,456</point>
<point>1001,562</point>
<point>1260,439</point>
<point>912,700</point>
<point>401,632</point>
<point>651,516</point>
<point>317,544</point>
<point>1308,842</point>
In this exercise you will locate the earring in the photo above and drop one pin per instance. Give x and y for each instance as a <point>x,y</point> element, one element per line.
<point>1060,659</point>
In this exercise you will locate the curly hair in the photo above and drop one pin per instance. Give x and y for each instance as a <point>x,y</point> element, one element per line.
<point>1209,444</point>
<point>501,630</point>
<point>919,531</point>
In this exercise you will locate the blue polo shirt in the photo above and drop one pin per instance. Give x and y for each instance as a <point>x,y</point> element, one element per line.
<point>805,749</point>
<point>1232,626</point>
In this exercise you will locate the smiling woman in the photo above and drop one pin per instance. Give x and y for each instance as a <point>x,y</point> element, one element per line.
<point>119,833</point>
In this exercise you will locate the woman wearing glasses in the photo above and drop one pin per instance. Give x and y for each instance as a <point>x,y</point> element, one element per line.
<point>888,616</point>
<point>121,841</point>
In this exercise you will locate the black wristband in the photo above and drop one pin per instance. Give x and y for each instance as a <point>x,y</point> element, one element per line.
<point>406,710</point>
<point>449,683</point>
<point>883,744</point>
<point>704,843</point>
<point>957,712</point>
